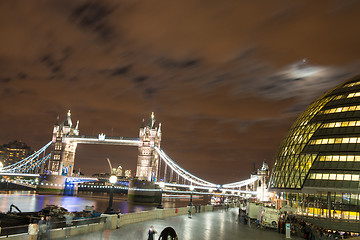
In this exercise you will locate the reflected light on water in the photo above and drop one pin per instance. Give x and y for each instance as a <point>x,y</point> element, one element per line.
<point>31,202</point>
<point>28,201</point>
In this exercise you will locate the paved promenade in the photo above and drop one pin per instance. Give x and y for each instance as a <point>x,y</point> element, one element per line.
<point>207,226</point>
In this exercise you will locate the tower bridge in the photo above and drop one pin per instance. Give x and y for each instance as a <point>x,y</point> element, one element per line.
<point>153,164</point>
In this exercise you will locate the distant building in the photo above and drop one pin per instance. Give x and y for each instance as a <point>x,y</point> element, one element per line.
<point>13,152</point>
<point>118,171</point>
<point>101,175</point>
<point>128,173</point>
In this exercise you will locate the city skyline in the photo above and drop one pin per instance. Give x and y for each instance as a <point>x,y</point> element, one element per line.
<point>225,79</point>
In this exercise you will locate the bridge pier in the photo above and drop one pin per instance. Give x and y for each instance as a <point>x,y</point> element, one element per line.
<point>143,191</point>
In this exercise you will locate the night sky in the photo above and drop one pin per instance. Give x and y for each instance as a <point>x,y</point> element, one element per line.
<point>225,78</point>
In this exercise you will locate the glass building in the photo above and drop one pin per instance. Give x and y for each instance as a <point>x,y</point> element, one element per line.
<point>317,169</point>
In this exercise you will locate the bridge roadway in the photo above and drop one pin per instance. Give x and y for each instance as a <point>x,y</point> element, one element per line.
<point>202,226</point>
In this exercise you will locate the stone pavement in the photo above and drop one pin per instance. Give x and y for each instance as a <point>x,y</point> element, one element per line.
<point>215,225</point>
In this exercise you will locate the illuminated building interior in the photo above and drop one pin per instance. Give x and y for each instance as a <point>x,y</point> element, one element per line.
<point>13,152</point>
<point>317,169</point>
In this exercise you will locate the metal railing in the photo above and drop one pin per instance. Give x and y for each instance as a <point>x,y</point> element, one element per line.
<point>21,229</point>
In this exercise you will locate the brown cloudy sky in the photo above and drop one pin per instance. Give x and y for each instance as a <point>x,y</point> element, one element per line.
<point>225,78</point>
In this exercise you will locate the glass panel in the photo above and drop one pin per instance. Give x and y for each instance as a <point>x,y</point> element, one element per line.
<point>347,177</point>
<point>355,178</point>
<point>340,177</point>
<point>332,176</point>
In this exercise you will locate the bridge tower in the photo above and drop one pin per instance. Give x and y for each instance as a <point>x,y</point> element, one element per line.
<point>148,159</point>
<point>63,152</point>
<point>263,178</point>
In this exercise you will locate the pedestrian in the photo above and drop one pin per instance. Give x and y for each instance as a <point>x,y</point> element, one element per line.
<point>190,212</point>
<point>42,228</point>
<point>48,226</point>
<point>118,213</point>
<point>151,233</point>
<point>33,230</point>
<point>68,221</point>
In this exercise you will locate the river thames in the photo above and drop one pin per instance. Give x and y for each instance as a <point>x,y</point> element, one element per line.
<point>28,201</point>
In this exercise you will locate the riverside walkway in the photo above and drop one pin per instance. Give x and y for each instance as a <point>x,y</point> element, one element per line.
<point>202,226</point>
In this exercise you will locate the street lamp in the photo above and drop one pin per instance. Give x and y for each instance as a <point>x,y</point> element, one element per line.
<point>191,193</point>
<point>161,185</point>
<point>112,180</point>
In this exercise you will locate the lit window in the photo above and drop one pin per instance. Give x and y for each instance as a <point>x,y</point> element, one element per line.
<point>332,176</point>
<point>343,158</point>
<point>347,177</point>
<point>335,158</point>
<point>318,176</point>
<point>345,140</point>
<point>340,177</point>
<point>355,178</point>
<point>353,140</point>
<point>345,124</point>
<point>331,141</point>
<point>325,176</point>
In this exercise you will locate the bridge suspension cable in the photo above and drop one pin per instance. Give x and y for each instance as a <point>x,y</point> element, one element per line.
<point>28,163</point>
<point>241,183</point>
<point>182,172</point>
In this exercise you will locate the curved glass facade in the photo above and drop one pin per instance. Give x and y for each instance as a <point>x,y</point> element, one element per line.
<point>322,148</point>
<point>317,169</point>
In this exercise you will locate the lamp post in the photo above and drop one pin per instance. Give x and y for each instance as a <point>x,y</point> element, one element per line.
<point>162,185</point>
<point>112,179</point>
<point>191,193</point>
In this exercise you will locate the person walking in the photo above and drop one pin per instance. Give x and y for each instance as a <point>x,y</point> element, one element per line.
<point>118,213</point>
<point>42,228</point>
<point>190,212</point>
<point>48,226</point>
<point>33,230</point>
<point>68,221</point>
<point>151,233</point>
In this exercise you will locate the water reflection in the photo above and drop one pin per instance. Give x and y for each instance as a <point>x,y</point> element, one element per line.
<point>28,201</point>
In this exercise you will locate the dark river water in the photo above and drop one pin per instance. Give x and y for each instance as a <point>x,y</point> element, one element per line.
<point>28,201</point>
